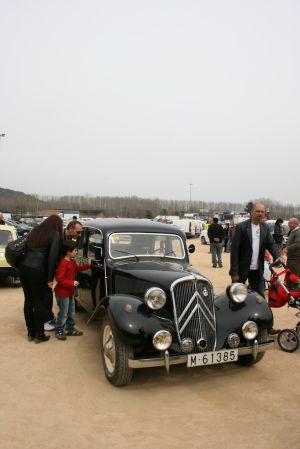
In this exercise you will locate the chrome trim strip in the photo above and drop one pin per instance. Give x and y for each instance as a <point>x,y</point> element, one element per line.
<point>179,359</point>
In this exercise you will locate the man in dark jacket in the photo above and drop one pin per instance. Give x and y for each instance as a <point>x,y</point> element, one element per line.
<point>215,234</point>
<point>251,239</point>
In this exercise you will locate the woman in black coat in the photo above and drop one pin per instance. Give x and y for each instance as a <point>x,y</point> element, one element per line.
<point>37,270</point>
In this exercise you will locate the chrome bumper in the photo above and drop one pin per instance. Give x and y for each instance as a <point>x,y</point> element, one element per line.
<point>166,360</point>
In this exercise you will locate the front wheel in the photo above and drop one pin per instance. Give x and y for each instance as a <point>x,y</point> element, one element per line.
<point>288,340</point>
<point>247,359</point>
<point>115,355</point>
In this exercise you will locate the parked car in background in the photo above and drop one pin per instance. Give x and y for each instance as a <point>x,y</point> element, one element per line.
<point>155,309</point>
<point>7,234</point>
<point>22,229</point>
<point>204,237</point>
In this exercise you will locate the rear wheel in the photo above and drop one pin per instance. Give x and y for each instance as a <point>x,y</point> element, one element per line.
<point>288,340</point>
<point>248,359</point>
<point>115,355</point>
<point>298,329</point>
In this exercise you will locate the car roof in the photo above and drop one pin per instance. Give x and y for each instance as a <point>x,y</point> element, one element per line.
<point>111,225</point>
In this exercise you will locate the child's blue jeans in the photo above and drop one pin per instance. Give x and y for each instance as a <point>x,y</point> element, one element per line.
<point>66,314</point>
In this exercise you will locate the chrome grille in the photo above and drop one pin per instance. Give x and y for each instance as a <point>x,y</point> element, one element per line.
<point>194,312</point>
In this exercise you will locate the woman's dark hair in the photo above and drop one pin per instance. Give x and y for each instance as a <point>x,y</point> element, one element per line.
<point>67,245</point>
<point>279,221</point>
<point>41,234</point>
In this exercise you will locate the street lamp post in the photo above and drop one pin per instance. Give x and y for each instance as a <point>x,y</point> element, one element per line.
<point>190,197</point>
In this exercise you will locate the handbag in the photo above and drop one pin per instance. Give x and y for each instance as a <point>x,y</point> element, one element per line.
<point>15,251</point>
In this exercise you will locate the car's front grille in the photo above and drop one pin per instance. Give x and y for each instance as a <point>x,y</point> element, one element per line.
<point>194,312</point>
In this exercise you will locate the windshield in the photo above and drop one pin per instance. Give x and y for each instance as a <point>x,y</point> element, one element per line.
<point>138,244</point>
<point>5,237</point>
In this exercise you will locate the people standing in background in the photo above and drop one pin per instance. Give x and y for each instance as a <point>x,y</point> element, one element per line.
<point>278,233</point>
<point>2,221</point>
<point>293,246</point>
<point>230,235</point>
<point>215,234</point>
<point>226,237</point>
<point>37,270</point>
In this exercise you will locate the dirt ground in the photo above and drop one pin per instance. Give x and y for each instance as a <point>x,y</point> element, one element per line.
<point>55,396</point>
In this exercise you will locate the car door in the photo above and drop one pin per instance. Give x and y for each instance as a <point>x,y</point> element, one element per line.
<point>91,282</point>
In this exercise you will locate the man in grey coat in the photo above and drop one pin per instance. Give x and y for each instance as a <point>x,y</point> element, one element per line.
<point>251,239</point>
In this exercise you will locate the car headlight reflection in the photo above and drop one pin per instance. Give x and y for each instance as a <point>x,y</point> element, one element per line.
<point>155,298</point>
<point>238,292</point>
<point>162,340</point>
<point>250,330</point>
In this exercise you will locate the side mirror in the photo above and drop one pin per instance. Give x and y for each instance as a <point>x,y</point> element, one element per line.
<point>97,250</point>
<point>191,248</point>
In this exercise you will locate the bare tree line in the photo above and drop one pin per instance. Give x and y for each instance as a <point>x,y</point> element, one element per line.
<point>129,206</point>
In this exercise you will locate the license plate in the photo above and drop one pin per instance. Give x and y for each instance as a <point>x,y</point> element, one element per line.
<point>212,358</point>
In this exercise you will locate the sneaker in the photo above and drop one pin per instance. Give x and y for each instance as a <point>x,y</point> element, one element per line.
<point>48,326</point>
<point>60,335</point>
<point>73,332</point>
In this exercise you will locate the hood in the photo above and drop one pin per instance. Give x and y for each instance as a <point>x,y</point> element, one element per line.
<point>142,275</point>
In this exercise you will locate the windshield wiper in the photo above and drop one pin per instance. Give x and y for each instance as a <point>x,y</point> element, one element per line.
<point>126,252</point>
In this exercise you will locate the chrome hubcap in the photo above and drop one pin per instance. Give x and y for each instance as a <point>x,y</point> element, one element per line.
<point>109,349</point>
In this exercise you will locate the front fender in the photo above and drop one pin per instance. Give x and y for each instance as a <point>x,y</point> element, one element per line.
<point>134,322</point>
<point>230,316</point>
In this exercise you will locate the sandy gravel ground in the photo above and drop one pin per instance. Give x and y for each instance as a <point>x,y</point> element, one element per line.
<point>55,396</point>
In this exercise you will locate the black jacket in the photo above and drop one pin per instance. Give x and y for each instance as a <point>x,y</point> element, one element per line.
<point>241,249</point>
<point>215,233</point>
<point>44,259</point>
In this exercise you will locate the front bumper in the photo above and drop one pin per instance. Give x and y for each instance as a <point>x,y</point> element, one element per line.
<point>166,360</point>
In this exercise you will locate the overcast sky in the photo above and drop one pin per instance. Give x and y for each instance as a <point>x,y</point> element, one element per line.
<point>134,97</point>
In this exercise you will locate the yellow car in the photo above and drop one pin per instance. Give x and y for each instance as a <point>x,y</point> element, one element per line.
<point>7,234</point>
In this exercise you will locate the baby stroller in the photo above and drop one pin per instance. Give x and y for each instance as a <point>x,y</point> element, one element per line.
<point>282,292</point>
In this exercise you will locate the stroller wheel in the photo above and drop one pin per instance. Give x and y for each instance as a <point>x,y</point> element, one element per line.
<point>288,340</point>
<point>297,329</point>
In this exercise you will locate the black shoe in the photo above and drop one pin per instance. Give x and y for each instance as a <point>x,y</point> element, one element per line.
<point>220,266</point>
<point>42,339</point>
<point>30,337</point>
<point>214,266</point>
<point>60,335</point>
<point>73,332</point>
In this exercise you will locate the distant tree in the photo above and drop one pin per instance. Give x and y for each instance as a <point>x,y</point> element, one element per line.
<point>149,214</point>
<point>249,207</point>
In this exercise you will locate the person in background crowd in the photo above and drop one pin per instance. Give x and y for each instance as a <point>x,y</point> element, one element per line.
<point>74,217</point>
<point>230,235</point>
<point>215,234</point>
<point>2,221</point>
<point>250,241</point>
<point>278,233</point>
<point>64,291</point>
<point>293,246</point>
<point>226,237</point>
<point>72,232</point>
<point>37,270</point>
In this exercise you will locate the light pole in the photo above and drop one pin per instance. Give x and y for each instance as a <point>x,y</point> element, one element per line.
<point>190,197</point>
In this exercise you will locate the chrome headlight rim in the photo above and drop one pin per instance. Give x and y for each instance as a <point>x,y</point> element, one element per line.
<point>153,302</point>
<point>158,337</point>
<point>250,330</point>
<point>238,292</point>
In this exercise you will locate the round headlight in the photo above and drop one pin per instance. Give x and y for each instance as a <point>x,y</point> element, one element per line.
<point>155,298</point>
<point>162,340</point>
<point>250,330</point>
<point>238,292</point>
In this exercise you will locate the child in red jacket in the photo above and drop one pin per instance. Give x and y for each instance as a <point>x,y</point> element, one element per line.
<point>64,291</point>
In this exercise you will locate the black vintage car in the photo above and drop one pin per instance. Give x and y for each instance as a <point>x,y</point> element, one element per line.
<point>155,309</point>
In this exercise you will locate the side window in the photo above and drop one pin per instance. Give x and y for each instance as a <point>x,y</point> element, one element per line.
<point>95,241</point>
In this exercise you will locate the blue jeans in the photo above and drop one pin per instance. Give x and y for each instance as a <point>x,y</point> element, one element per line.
<point>216,253</point>
<point>66,314</point>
